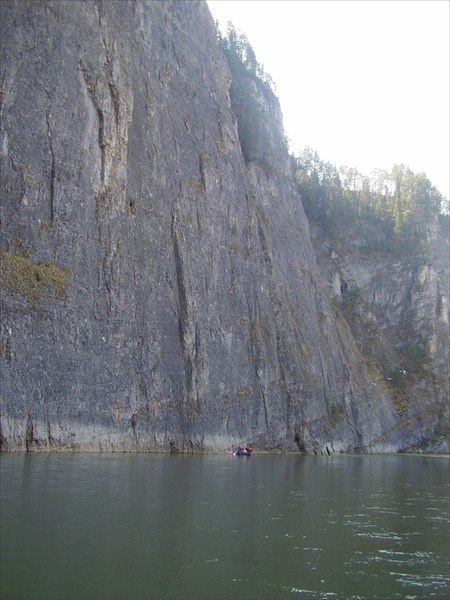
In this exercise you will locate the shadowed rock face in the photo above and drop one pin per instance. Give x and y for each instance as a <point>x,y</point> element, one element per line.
<point>159,287</point>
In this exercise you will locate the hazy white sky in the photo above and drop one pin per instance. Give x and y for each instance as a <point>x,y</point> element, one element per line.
<point>363,82</point>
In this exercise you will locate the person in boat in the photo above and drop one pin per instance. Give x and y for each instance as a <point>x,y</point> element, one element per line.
<point>243,451</point>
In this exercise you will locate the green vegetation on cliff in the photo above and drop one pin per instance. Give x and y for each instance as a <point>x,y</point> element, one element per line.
<point>399,204</point>
<point>241,56</point>
<point>20,275</point>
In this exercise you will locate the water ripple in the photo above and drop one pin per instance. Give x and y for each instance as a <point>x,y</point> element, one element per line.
<point>381,536</point>
<point>422,581</point>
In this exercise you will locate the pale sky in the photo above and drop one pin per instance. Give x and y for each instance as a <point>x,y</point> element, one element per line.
<point>365,83</point>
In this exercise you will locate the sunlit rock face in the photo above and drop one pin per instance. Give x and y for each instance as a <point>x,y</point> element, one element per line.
<point>159,287</point>
<point>398,313</point>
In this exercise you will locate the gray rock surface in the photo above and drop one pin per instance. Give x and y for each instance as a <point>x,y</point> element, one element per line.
<point>159,286</point>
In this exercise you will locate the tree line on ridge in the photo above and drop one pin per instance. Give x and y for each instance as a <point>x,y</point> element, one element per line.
<point>400,204</point>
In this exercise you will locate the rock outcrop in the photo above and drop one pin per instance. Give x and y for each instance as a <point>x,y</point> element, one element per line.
<point>397,309</point>
<point>159,287</point>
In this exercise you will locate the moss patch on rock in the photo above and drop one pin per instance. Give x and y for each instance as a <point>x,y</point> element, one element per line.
<point>34,281</point>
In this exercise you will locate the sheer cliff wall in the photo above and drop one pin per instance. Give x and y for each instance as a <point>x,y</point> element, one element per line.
<point>159,287</point>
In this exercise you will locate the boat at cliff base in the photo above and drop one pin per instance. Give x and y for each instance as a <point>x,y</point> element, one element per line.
<point>242,451</point>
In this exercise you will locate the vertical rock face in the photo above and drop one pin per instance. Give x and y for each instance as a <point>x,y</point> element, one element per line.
<point>398,313</point>
<point>159,287</point>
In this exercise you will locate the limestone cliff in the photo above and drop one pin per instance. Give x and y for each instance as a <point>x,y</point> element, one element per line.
<point>159,287</point>
<point>397,309</point>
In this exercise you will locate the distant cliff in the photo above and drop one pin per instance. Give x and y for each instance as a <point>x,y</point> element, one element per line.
<point>397,309</point>
<point>160,290</point>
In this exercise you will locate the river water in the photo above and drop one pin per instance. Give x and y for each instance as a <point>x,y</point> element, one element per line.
<point>128,526</point>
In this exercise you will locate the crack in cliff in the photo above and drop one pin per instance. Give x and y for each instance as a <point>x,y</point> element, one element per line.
<point>264,403</point>
<point>115,99</point>
<point>91,89</point>
<point>52,169</point>
<point>113,90</point>
<point>189,354</point>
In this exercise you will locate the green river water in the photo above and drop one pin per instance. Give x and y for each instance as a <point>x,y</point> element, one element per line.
<point>138,526</point>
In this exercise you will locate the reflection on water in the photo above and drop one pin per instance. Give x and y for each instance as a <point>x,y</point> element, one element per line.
<point>146,526</point>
